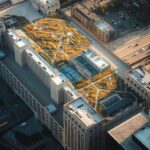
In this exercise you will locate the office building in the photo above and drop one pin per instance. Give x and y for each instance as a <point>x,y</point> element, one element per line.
<point>83,127</point>
<point>132,134</point>
<point>50,94</point>
<point>136,54</point>
<point>138,80</point>
<point>45,6</point>
<point>17,44</point>
<point>96,25</point>
<point>57,84</point>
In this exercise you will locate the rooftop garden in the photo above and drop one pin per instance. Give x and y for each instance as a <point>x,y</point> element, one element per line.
<point>99,89</point>
<point>56,38</point>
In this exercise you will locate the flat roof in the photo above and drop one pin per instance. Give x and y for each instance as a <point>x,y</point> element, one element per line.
<point>123,131</point>
<point>142,75</point>
<point>97,60</point>
<point>84,112</point>
<point>143,136</point>
<point>114,105</point>
<point>107,102</point>
<point>103,25</point>
<point>18,39</point>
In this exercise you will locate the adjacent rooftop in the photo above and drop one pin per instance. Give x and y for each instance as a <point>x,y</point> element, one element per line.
<point>115,104</point>
<point>126,129</point>
<point>142,75</point>
<point>143,136</point>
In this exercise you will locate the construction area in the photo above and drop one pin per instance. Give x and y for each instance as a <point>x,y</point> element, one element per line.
<point>56,39</point>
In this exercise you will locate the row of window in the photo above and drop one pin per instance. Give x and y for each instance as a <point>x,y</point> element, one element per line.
<point>32,102</point>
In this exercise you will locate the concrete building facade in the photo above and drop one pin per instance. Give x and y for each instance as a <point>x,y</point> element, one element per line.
<point>45,6</point>
<point>83,127</point>
<point>100,28</point>
<point>41,112</point>
<point>138,80</point>
<point>52,97</point>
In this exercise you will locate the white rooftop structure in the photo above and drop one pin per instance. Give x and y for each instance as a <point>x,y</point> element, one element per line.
<point>143,136</point>
<point>142,75</point>
<point>59,79</point>
<point>72,92</point>
<point>85,113</point>
<point>41,62</point>
<point>97,60</point>
<point>19,40</point>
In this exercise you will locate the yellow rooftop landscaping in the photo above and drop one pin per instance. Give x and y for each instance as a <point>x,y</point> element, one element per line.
<point>56,38</point>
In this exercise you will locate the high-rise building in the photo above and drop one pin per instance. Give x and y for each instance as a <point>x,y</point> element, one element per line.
<point>138,79</point>
<point>83,126</point>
